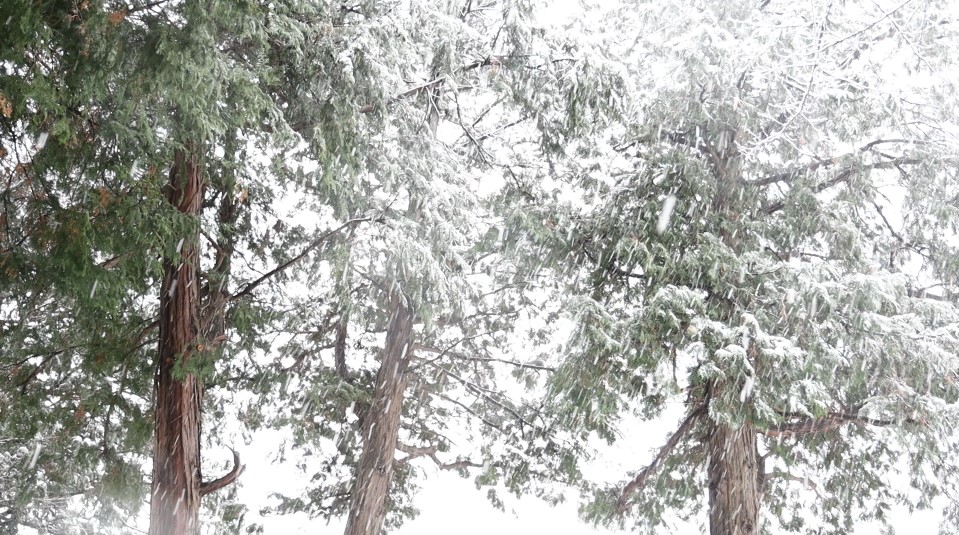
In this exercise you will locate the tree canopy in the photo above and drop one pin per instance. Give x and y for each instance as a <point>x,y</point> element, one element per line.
<point>381,228</point>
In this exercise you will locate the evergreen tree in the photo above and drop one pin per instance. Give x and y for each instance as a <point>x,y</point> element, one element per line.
<point>770,241</point>
<point>123,125</point>
<point>148,148</point>
<point>464,75</point>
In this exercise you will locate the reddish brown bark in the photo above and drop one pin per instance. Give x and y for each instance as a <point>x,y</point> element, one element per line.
<point>177,481</point>
<point>734,482</point>
<point>381,427</point>
<point>175,500</point>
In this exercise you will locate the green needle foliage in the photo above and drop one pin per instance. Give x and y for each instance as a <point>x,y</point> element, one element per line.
<point>768,242</point>
<point>96,97</point>
<point>343,148</point>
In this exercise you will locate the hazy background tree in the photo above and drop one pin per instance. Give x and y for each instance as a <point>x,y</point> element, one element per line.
<point>467,77</point>
<point>767,240</point>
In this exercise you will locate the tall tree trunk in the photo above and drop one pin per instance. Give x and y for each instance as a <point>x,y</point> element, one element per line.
<point>734,477</point>
<point>175,499</point>
<point>734,490</point>
<point>381,427</point>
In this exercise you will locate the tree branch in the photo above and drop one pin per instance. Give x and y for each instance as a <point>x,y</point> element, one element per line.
<point>640,480</point>
<point>790,174</point>
<point>414,452</point>
<point>207,487</point>
<point>490,61</point>
<point>610,266</point>
<point>470,411</point>
<point>842,176</point>
<point>460,356</point>
<point>806,481</point>
<point>248,289</point>
<point>149,5</point>
<point>802,424</point>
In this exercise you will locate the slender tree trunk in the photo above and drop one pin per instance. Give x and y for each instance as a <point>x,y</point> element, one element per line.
<point>381,427</point>
<point>175,500</point>
<point>734,490</point>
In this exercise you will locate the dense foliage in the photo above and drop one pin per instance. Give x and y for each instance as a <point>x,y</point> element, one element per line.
<point>770,240</point>
<point>747,210</point>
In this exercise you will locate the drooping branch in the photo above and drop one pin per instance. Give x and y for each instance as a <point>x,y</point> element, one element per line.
<point>248,289</point>
<point>640,480</point>
<point>207,487</point>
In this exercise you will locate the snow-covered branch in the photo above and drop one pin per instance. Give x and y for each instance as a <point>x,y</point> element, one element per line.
<point>414,452</point>
<point>799,424</point>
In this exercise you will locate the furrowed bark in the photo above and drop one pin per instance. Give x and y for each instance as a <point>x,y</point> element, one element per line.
<point>734,490</point>
<point>733,466</point>
<point>381,427</point>
<point>175,498</point>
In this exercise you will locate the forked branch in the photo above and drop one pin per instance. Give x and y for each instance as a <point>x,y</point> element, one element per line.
<point>413,452</point>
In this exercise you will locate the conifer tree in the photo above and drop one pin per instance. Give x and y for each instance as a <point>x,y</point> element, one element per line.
<point>768,242</point>
<point>122,125</point>
<point>373,411</point>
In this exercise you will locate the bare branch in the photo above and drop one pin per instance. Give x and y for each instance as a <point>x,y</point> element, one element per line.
<point>640,480</point>
<point>316,243</point>
<point>212,486</point>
